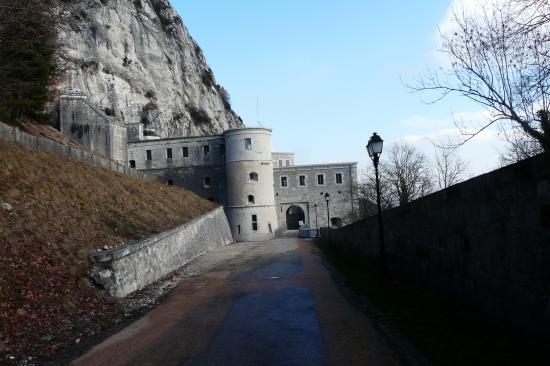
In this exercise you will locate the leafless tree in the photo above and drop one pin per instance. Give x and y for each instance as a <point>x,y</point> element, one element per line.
<point>499,59</point>
<point>520,146</point>
<point>449,166</point>
<point>406,172</point>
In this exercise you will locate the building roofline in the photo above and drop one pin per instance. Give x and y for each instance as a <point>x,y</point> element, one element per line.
<point>314,165</point>
<point>195,138</point>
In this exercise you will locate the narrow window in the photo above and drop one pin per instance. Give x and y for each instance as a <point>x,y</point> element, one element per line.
<point>280,163</point>
<point>287,163</point>
<point>248,143</point>
<point>254,222</point>
<point>132,163</point>
<point>170,182</point>
<point>168,153</point>
<point>302,180</point>
<point>253,177</point>
<point>149,155</point>
<point>185,152</point>
<point>206,182</point>
<point>251,199</point>
<point>284,182</point>
<point>338,178</point>
<point>270,228</point>
<point>320,179</point>
<point>222,149</point>
<point>206,149</point>
<point>239,229</point>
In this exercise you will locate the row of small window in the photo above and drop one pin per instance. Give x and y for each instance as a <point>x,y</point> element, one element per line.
<point>205,150</point>
<point>339,179</point>
<point>185,152</point>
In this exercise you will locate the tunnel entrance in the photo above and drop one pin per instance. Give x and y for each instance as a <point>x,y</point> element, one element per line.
<point>294,215</point>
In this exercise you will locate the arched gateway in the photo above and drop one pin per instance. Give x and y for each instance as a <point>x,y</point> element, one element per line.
<point>294,215</point>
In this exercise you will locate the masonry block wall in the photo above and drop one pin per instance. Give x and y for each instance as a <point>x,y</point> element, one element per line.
<point>485,242</point>
<point>300,187</point>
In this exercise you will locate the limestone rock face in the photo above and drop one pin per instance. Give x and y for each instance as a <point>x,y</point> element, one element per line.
<point>135,59</point>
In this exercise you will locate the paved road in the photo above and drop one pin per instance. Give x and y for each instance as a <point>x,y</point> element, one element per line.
<point>267,304</point>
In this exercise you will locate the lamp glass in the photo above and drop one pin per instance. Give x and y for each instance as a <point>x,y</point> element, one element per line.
<point>327,197</point>
<point>377,147</point>
<point>369,149</point>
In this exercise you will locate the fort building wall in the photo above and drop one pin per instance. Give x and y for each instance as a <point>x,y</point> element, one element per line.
<point>250,196</point>
<point>304,190</point>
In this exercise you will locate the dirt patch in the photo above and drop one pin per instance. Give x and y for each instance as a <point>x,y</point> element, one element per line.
<point>53,213</point>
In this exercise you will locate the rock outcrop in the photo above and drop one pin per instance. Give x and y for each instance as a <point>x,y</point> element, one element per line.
<point>136,60</point>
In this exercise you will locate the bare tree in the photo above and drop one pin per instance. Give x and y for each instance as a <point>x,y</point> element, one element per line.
<point>499,59</point>
<point>449,166</point>
<point>406,172</point>
<point>520,146</point>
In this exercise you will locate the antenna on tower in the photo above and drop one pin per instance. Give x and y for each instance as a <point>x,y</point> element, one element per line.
<point>258,111</point>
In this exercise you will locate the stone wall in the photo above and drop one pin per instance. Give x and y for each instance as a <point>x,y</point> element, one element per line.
<point>484,242</point>
<point>187,170</point>
<point>44,144</point>
<point>91,127</point>
<point>130,267</point>
<point>342,204</point>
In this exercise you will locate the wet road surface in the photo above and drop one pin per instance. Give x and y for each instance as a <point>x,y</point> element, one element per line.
<point>271,303</point>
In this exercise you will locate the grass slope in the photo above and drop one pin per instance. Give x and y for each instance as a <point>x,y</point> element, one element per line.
<point>61,211</point>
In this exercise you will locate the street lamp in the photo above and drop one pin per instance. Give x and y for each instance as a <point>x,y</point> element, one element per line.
<point>327,199</point>
<point>316,226</point>
<point>374,148</point>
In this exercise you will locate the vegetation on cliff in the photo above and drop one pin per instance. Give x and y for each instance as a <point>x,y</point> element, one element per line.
<point>27,47</point>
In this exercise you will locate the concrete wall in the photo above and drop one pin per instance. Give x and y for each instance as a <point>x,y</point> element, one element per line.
<point>44,144</point>
<point>131,267</point>
<point>342,205</point>
<point>485,242</point>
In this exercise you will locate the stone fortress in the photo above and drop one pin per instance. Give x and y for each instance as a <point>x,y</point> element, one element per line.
<point>263,192</point>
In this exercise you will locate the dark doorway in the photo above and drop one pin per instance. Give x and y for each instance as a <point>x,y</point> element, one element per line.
<point>294,215</point>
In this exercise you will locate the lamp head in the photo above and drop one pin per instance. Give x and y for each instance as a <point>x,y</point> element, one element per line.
<point>327,197</point>
<point>375,146</point>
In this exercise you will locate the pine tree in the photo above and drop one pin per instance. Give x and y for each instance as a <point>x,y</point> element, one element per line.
<point>27,48</point>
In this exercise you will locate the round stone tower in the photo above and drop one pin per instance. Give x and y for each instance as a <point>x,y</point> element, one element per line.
<point>250,195</point>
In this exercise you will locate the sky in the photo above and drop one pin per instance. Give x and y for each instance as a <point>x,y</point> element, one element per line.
<point>327,74</point>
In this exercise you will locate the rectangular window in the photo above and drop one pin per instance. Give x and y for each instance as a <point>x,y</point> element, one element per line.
<point>302,179</point>
<point>320,179</point>
<point>339,178</point>
<point>284,182</point>
<point>248,143</point>
<point>287,163</point>
<point>168,153</point>
<point>239,229</point>
<point>222,149</point>
<point>280,163</point>
<point>149,155</point>
<point>206,149</point>
<point>254,222</point>
<point>132,163</point>
<point>185,150</point>
<point>207,182</point>
<point>170,182</point>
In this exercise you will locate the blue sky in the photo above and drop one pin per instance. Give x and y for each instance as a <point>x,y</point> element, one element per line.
<point>329,73</point>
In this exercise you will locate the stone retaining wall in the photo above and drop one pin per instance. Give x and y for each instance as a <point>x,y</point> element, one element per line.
<point>484,242</point>
<point>14,134</point>
<point>131,267</point>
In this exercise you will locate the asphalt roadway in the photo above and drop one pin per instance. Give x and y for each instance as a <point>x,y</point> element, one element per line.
<point>272,303</point>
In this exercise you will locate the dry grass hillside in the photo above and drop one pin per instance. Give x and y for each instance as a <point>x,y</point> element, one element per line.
<point>53,212</point>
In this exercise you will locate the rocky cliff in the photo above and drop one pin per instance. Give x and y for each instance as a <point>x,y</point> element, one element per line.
<point>136,60</point>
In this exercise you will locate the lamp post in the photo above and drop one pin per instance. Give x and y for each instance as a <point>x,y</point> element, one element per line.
<point>316,226</point>
<point>374,149</point>
<point>327,199</point>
